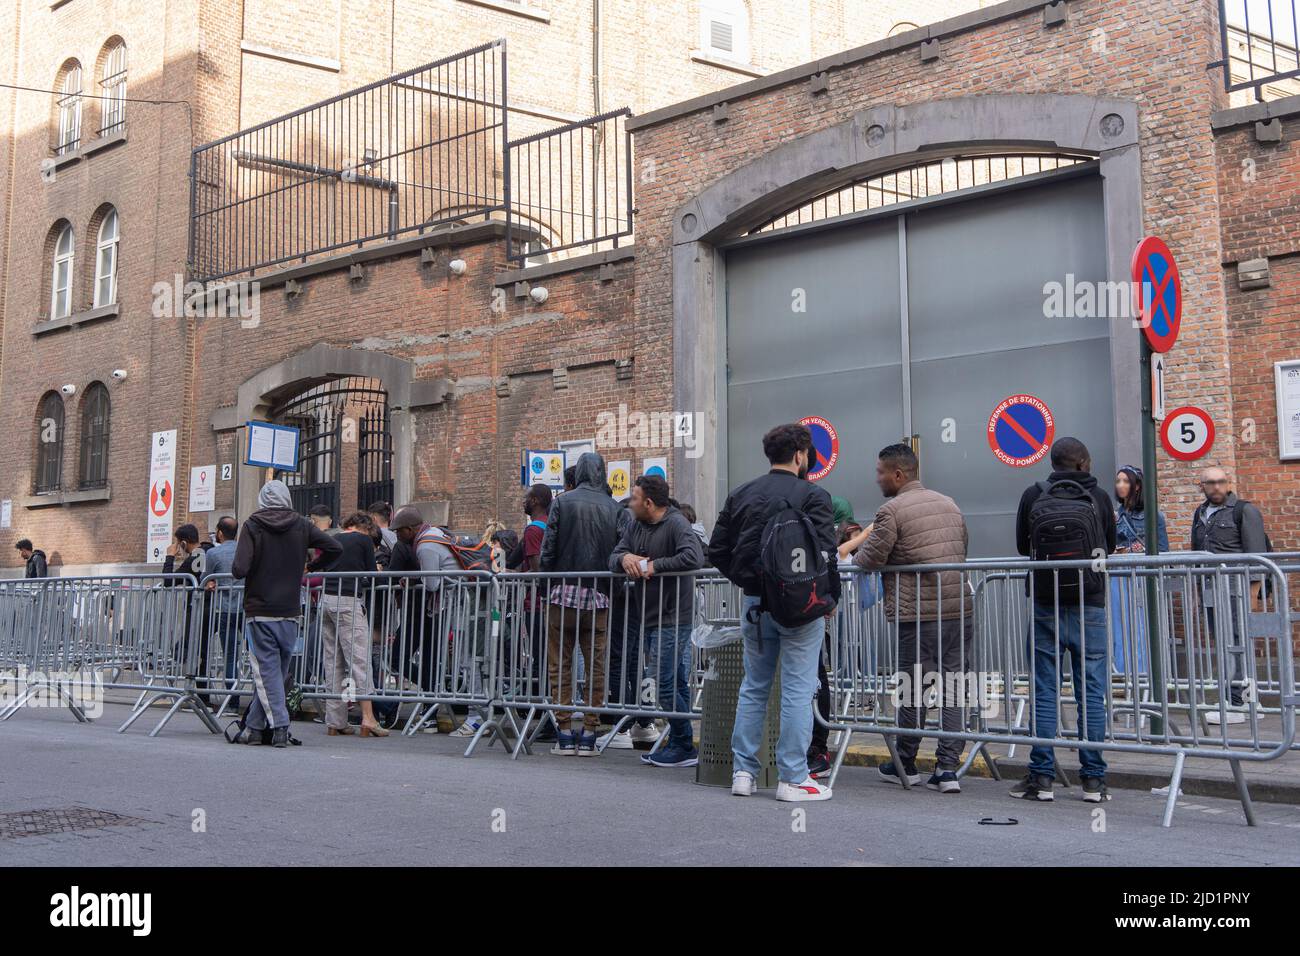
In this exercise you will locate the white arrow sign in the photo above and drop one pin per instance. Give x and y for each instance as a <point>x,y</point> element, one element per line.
<point>1158,387</point>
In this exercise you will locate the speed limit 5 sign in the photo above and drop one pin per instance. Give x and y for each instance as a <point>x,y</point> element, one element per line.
<point>1187,433</point>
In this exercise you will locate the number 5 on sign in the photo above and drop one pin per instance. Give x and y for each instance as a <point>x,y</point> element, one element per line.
<point>1188,433</point>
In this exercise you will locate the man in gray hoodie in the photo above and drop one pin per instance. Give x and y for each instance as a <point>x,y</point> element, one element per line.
<point>661,542</point>
<point>269,559</point>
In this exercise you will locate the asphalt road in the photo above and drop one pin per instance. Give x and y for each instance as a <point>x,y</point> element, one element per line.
<point>418,801</point>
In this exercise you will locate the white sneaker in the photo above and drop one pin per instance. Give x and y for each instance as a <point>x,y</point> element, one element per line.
<point>643,735</point>
<point>1232,717</point>
<point>468,729</point>
<point>615,741</point>
<point>743,784</point>
<point>810,789</point>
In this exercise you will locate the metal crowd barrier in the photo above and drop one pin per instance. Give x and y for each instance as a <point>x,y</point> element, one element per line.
<point>525,650</point>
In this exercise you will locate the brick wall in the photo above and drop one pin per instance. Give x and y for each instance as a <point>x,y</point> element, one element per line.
<point>1259,213</point>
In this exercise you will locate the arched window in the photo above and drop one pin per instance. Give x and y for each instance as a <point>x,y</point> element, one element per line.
<point>94,436</point>
<point>724,29</point>
<point>61,274</point>
<point>106,260</point>
<point>69,108</point>
<point>112,87</point>
<point>49,444</point>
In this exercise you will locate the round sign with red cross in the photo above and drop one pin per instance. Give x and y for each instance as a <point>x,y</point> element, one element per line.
<point>1158,291</point>
<point>1187,433</point>
<point>825,449</point>
<point>1021,429</point>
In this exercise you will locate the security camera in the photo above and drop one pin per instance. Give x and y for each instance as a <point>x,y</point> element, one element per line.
<point>69,389</point>
<point>457,267</point>
<point>119,375</point>
<point>539,294</point>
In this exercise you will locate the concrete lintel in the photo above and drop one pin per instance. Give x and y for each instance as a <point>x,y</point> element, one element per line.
<point>576,264</point>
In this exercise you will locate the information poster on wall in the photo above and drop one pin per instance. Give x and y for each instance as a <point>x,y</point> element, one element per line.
<point>655,466</point>
<point>203,488</point>
<point>162,494</point>
<point>543,467</point>
<point>6,513</point>
<point>619,476</point>
<point>1287,383</point>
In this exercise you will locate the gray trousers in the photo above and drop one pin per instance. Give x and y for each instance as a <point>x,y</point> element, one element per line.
<point>347,654</point>
<point>270,650</point>
<point>920,647</point>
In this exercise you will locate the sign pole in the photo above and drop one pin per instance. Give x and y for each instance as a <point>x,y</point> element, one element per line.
<point>1151,507</point>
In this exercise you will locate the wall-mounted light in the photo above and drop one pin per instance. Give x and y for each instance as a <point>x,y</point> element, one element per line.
<point>539,294</point>
<point>457,267</point>
<point>119,375</point>
<point>69,389</point>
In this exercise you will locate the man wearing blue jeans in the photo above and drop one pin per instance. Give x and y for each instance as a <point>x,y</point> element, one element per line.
<point>1067,518</point>
<point>655,551</point>
<point>735,550</point>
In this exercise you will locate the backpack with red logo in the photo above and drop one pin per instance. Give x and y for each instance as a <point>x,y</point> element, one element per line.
<point>795,572</point>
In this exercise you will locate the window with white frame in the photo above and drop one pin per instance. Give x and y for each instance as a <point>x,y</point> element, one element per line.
<point>106,261</point>
<point>61,275</point>
<point>112,85</point>
<point>724,29</point>
<point>69,104</point>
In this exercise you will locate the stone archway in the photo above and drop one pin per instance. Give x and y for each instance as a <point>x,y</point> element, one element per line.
<point>875,141</point>
<point>260,393</point>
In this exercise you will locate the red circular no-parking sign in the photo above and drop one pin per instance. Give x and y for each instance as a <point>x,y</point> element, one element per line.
<point>1158,293</point>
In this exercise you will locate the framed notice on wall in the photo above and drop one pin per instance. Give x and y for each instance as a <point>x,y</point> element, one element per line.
<point>1286,380</point>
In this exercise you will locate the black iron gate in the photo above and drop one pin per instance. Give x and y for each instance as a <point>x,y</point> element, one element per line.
<point>330,416</point>
<point>374,457</point>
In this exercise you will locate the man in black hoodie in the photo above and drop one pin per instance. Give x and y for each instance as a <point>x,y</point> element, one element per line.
<point>581,531</point>
<point>1067,518</point>
<point>35,559</point>
<point>660,542</point>
<point>269,559</point>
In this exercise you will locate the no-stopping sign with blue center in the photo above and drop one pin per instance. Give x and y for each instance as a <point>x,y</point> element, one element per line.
<point>826,447</point>
<point>1021,430</point>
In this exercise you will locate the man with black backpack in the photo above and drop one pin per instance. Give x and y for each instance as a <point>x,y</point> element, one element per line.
<point>1226,524</point>
<point>1067,518</point>
<point>775,539</point>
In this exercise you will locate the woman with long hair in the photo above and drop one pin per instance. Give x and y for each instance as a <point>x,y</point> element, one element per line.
<point>1128,608</point>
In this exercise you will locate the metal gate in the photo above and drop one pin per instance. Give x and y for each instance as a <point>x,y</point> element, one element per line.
<point>329,417</point>
<point>916,323</point>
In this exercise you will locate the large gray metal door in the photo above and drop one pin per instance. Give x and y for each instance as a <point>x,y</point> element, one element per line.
<point>934,363</point>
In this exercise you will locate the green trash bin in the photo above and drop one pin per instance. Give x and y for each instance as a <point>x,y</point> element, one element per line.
<point>723,673</point>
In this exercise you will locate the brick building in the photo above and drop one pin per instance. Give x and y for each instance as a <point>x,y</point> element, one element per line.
<point>414,349</point>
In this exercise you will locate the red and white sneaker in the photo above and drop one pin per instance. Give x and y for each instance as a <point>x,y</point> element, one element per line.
<point>810,789</point>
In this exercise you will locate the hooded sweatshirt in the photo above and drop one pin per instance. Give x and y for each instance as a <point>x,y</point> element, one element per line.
<point>272,551</point>
<point>583,525</point>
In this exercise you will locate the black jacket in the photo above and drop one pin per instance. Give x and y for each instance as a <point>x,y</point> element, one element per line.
<point>673,546</point>
<point>1221,534</point>
<point>583,524</point>
<point>1096,593</point>
<point>270,556</point>
<point>358,554</point>
<point>36,567</point>
<point>734,547</point>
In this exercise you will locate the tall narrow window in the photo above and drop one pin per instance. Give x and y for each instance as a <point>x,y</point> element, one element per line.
<point>94,436</point>
<point>61,276</point>
<point>49,444</point>
<point>112,85</point>
<point>106,261</point>
<point>69,103</point>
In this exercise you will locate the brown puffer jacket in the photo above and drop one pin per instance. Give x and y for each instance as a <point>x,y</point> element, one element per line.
<point>918,526</point>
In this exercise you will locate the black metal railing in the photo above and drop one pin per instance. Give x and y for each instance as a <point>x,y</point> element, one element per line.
<point>570,188</point>
<point>1258,44</point>
<point>415,150</point>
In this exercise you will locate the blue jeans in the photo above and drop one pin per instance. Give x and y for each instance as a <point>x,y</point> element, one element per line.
<point>1086,642</point>
<point>797,650</point>
<point>668,659</point>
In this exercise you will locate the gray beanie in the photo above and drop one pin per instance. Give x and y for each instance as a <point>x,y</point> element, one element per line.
<point>274,494</point>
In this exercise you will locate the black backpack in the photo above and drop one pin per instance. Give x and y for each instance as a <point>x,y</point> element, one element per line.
<point>1064,526</point>
<point>796,583</point>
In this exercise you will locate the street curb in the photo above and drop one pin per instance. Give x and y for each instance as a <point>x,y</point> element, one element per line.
<point>1118,779</point>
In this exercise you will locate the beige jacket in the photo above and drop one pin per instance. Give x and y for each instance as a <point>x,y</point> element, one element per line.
<point>918,526</point>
